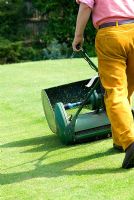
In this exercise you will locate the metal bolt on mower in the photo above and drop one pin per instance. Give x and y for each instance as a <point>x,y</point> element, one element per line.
<point>76,111</point>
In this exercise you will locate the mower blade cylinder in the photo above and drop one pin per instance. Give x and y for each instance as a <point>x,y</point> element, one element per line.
<point>71,105</point>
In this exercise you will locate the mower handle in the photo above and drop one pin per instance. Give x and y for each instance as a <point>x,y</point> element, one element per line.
<point>86,57</point>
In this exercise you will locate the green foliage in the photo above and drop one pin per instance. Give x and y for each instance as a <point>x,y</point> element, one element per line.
<point>57,32</point>
<point>12,52</point>
<point>12,15</point>
<point>8,51</point>
<point>27,53</point>
<point>55,50</point>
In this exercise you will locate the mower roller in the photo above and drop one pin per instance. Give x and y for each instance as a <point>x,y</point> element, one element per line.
<point>76,111</point>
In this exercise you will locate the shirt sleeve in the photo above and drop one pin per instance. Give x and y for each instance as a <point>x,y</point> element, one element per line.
<point>90,3</point>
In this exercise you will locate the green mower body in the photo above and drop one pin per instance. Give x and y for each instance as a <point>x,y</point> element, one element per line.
<point>76,111</point>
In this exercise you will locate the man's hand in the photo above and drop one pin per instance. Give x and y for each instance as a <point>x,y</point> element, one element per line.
<point>77,42</point>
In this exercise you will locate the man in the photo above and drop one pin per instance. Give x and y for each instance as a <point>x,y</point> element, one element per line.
<point>114,20</point>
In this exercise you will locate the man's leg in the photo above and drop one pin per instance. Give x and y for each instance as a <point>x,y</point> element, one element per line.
<point>130,74</point>
<point>112,55</point>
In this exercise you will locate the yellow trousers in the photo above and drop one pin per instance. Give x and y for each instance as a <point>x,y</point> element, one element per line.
<point>115,50</point>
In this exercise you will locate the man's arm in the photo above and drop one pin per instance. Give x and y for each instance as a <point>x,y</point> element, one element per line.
<point>82,19</point>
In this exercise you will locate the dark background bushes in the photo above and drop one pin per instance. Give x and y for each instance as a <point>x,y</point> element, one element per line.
<point>39,29</point>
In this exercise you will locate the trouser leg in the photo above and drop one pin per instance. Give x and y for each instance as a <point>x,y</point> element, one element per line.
<point>130,75</point>
<point>115,137</point>
<point>112,56</point>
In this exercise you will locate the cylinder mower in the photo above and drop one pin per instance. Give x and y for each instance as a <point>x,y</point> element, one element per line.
<point>76,111</point>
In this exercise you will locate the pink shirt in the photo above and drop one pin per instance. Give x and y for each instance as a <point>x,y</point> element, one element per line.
<point>104,11</point>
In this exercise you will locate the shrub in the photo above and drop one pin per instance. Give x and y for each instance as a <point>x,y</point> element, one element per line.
<point>9,52</point>
<point>55,50</point>
<point>12,52</point>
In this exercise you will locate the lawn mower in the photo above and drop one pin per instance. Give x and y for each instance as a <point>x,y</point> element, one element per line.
<point>76,111</point>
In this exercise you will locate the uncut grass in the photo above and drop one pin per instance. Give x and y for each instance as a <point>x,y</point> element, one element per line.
<point>34,164</point>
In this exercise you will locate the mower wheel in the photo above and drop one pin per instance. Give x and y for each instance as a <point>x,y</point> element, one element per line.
<point>62,122</point>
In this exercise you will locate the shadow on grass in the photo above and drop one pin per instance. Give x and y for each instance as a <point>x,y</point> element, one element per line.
<point>51,171</point>
<point>44,143</point>
<point>57,169</point>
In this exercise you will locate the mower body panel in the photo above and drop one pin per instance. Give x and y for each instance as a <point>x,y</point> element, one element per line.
<point>68,93</point>
<point>87,125</point>
<point>90,121</point>
<point>93,123</point>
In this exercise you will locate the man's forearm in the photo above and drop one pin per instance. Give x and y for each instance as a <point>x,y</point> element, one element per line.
<point>82,19</point>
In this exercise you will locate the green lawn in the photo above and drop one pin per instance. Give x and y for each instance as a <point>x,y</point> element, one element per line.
<point>34,164</point>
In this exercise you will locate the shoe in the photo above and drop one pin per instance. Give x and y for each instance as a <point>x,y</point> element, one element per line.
<point>129,157</point>
<point>117,147</point>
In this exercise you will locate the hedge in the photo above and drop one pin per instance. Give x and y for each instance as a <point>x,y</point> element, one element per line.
<point>56,37</point>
